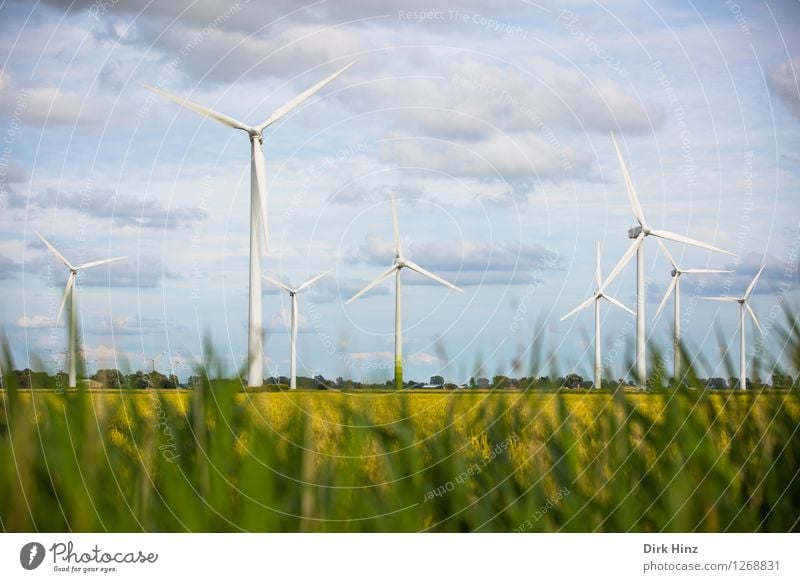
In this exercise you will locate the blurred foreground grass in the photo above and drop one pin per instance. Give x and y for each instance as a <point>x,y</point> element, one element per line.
<point>216,459</point>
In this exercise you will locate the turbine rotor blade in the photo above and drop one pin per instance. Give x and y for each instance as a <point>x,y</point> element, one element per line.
<point>583,305</point>
<point>98,263</point>
<point>723,299</point>
<point>705,271</point>
<point>665,234</point>
<point>667,254</point>
<point>53,250</point>
<point>752,285</point>
<point>627,256</point>
<point>261,191</point>
<point>67,289</point>
<point>415,267</point>
<point>632,197</point>
<point>753,315</point>
<point>202,110</point>
<point>380,278</point>
<point>618,304</point>
<point>395,227</point>
<point>670,289</point>
<point>278,284</point>
<point>313,280</point>
<point>287,107</point>
<point>598,279</point>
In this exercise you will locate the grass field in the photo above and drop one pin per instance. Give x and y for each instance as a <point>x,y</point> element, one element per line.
<point>215,459</point>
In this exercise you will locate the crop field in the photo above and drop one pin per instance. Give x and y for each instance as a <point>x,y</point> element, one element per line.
<point>217,459</point>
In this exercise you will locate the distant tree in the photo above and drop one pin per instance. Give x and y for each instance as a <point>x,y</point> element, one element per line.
<point>110,379</point>
<point>450,386</point>
<point>27,379</point>
<point>781,381</point>
<point>573,380</point>
<point>716,383</point>
<point>472,382</point>
<point>320,383</point>
<point>482,383</point>
<point>733,383</point>
<point>194,381</point>
<point>437,380</point>
<point>61,380</point>
<point>157,380</point>
<point>500,382</point>
<point>138,380</point>
<point>172,381</point>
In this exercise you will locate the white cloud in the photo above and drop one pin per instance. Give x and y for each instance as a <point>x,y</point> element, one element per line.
<point>51,105</point>
<point>370,356</point>
<point>784,83</point>
<point>425,358</point>
<point>35,321</point>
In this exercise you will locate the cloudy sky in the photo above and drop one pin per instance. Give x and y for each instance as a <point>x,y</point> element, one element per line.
<point>491,124</point>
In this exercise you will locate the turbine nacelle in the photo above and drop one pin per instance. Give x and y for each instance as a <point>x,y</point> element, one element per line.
<point>636,231</point>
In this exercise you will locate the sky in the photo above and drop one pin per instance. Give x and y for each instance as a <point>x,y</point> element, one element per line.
<point>491,122</point>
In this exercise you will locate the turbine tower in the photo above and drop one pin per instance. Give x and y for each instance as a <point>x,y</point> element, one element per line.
<point>293,331</point>
<point>744,305</point>
<point>598,295</point>
<point>397,265</point>
<point>638,234</point>
<point>675,286</point>
<point>258,207</point>
<point>71,294</point>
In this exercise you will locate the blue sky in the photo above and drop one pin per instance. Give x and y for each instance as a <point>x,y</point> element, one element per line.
<point>493,125</point>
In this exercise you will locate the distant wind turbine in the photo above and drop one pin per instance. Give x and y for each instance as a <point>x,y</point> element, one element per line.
<point>71,293</point>
<point>598,295</point>
<point>638,234</point>
<point>398,264</point>
<point>258,206</point>
<point>675,286</point>
<point>744,305</point>
<point>293,331</point>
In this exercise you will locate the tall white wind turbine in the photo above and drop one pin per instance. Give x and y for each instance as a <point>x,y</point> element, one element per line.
<point>598,295</point>
<point>258,207</point>
<point>675,286</point>
<point>293,329</point>
<point>638,234</point>
<point>71,294</point>
<point>744,305</point>
<point>398,264</point>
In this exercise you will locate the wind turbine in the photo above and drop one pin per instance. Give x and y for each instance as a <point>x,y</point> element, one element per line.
<point>71,293</point>
<point>598,295</point>
<point>744,305</point>
<point>675,286</point>
<point>638,234</point>
<point>258,206</point>
<point>293,332</point>
<point>398,264</point>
